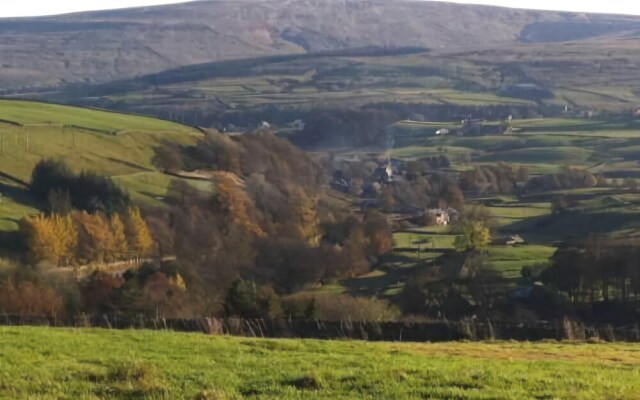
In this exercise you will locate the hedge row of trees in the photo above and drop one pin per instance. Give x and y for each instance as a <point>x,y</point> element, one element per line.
<point>81,237</point>
<point>508,179</point>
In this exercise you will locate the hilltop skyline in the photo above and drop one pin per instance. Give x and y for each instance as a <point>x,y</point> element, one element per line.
<point>32,8</point>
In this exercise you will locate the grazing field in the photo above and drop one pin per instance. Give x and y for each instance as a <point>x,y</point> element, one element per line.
<point>45,363</point>
<point>509,260</point>
<point>112,144</point>
<point>27,112</point>
<point>108,143</point>
<point>545,145</point>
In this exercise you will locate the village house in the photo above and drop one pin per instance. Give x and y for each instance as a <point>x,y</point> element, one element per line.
<point>442,217</point>
<point>438,216</point>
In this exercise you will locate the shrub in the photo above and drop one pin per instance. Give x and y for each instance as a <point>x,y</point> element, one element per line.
<point>346,307</point>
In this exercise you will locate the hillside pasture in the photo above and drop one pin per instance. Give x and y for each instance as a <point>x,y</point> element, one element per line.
<point>509,260</point>
<point>112,144</point>
<point>28,112</point>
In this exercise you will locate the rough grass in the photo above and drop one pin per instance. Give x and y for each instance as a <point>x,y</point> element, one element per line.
<point>45,363</point>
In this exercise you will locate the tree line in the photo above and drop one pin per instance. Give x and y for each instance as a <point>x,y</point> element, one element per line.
<point>82,238</point>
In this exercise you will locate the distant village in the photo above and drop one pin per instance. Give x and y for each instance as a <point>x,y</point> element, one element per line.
<point>384,175</point>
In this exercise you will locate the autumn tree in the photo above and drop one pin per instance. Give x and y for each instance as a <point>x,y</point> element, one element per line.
<point>234,205</point>
<point>378,233</point>
<point>96,240</point>
<point>66,238</point>
<point>99,292</point>
<point>475,236</point>
<point>305,221</point>
<point>120,244</point>
<point>138,235</point>
<point>28,298</point>
<point>40,235</point>
<point>52,238</point>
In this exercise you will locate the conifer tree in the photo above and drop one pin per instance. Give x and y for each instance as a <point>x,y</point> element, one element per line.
<point>235,204</point>
<point>40,234</point>
<point>138,234</point>
<point>96,241</point>
<point>65,238</point>
<point>121,247</point>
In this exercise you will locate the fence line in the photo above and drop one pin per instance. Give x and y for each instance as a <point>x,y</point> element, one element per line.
<point>433,331</point>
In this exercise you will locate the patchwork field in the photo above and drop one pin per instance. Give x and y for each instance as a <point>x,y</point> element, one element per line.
<point>100,364</point>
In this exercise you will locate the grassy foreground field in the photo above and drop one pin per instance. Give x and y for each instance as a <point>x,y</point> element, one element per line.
<point>47,363</point>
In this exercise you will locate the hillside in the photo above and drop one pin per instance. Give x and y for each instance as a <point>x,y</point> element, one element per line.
<point>568,78</point>
<point>111,45</point>
<point>113,144</point>
<point>89,364</point>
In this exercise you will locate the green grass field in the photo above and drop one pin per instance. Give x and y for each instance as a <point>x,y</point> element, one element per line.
<point>112,144</point>
<point>84,146</point>
<point>47,363</point>
<point>509,260</point>
<point>27,112</point>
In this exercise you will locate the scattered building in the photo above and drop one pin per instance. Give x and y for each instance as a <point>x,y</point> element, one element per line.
<point>298,125</point>
<point>340,182</point>
<point>509,240</point>
<point>383,174</point>
<point>441,217</point>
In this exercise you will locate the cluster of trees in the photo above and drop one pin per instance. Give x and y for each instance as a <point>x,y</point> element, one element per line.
<point>81,237</point>
<point>568,178</point>
<point>29,297</point>
<point>470,286</point>
<point>421,192</point>
<point>153,290</point>
<point>509,179</point>
<point>596,269</point>
<point>61,190</point>
<point>269,220</point>
<point>500,178</point>
<point>249,300</point>
<point>419,167</point>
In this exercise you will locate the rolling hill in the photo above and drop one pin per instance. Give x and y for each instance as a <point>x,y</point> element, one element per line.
<point>113,144</point>
<point>112,45</point>
<point>594,76</point>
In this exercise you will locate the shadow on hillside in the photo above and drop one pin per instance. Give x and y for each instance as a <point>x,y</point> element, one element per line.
<point>17,194</point>
<point>571,224</point>
<point>129,164</point>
